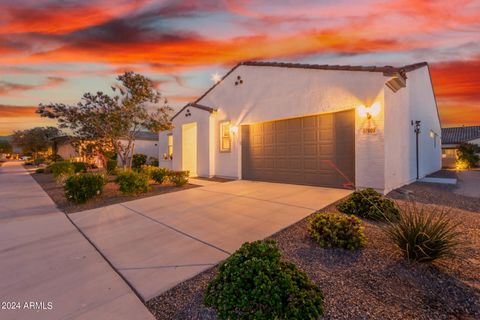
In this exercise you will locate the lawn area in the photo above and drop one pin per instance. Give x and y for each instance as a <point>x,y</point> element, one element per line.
<point>110,195</point>
<point>375,282</point>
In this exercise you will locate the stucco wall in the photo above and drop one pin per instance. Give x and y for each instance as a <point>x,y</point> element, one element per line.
<point>270,93</point>
<point>146,147</point>
<point>423,108</point>
<point>202,118</point>
<point>398,137</point>
<point>66,151</point>
<point>415,102</point>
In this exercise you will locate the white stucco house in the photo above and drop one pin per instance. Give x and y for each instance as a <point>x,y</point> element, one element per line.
<point>323,125</point>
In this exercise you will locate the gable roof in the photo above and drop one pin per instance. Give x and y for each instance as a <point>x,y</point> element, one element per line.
<point>195,105</point>
<point>386,70</point>
<point>460,134</point>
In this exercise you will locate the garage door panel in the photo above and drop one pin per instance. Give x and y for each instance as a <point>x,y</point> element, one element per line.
<point>306,150</point>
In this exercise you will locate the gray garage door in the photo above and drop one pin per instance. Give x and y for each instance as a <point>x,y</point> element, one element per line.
<point>315,150</point>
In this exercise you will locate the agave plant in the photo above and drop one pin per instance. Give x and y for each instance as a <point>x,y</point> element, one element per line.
<point>424,235</point>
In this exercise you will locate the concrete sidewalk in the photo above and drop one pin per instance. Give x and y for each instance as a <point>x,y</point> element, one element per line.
<point>44,260</point>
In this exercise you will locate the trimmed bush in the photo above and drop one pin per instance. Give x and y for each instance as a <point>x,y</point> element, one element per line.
<point>61,168</point>
<point>160,175</point>
<point>254,283</point>
<point>179,178</point>
<point>331,230</point>
<point>131,182</point>
<point>111,166</point>
<point>424,235</point>
<point>370,204</point>
<point>40,170</point>
<point>138,160</point>
<point>82,187</point>
<point>80,166</point>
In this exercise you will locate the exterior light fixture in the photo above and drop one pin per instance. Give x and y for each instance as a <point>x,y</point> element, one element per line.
<point>216,78</point>
<point>369,112</point>
<point>234,129</point>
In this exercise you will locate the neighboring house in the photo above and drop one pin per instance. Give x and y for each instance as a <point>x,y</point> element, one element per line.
<point>333,126</point>
<point>145,143</point>
<point>453,137</point>
<point>63,147</point>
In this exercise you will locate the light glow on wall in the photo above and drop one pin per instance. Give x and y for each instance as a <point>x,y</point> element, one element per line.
<point>368,112</point>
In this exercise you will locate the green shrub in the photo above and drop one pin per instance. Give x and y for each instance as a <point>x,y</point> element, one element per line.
<point>424,235</point>
<point>467,156</point>
<point>179,178</point>
<point>160,175</point>
<point>369,204</point>
<point>254,283</point>
<point>131,182</point>
<point>148,170</point>
<point>111,166</point>
<point>138,160</point>
<point>80,166</point>
<point>82,187</point>
<point>153,161</point>
<point>61,168</point>
<point>331,230</point>
<point>38,161</point>
<point>55,158</point>
<point>40,170</point>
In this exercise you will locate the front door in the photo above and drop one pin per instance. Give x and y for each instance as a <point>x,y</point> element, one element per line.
<point>189,148</point>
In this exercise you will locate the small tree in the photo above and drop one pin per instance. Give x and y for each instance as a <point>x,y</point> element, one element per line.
<point>35,140</point>
<point>467,156</point>
<point>5,147</point>
<point>107,120</point>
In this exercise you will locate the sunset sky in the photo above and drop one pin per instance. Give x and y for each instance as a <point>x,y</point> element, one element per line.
<point>54,51</point>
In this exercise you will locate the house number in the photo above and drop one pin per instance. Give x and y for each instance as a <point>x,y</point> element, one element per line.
<point>369,130</point>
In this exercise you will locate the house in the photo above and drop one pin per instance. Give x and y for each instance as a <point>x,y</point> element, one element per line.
<point>146,143</point>
<point>453,137</point>
<point>323,125</point>
<point>63,147</point>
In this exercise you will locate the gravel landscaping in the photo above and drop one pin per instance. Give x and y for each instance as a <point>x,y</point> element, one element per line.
<point>373,283</point>
<point>111,194</point>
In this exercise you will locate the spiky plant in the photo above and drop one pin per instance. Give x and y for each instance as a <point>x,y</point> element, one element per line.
<point>424,235</point>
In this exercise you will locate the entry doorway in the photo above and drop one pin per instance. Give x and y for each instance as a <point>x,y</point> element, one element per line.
<point>189,148</point>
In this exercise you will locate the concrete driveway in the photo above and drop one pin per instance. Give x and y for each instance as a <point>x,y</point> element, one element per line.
<point>160,241</point>
<point>468,183</point>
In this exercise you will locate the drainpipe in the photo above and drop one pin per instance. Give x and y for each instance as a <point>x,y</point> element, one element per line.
<point>416,129</point>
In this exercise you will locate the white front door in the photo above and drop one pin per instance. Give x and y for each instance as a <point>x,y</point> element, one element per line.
<point>189,148</point>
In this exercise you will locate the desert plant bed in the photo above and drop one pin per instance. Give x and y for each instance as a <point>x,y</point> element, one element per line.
<point>110,195</point>
<point>375,282</point>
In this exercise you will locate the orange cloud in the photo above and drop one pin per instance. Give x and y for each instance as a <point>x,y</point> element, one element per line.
<point>61,17</point>
<point>9,87</point>
<point>190,51</point>
<point>7,111</point>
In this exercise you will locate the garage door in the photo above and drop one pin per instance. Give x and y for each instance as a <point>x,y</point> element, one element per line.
<point>315,150</point>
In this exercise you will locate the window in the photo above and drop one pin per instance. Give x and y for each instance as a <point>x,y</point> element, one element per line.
<point>225,137</point>
<point>170,146</point>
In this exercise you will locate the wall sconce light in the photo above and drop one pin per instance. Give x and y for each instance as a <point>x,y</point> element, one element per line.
<point>234,130</point>
<point>369,112</point>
